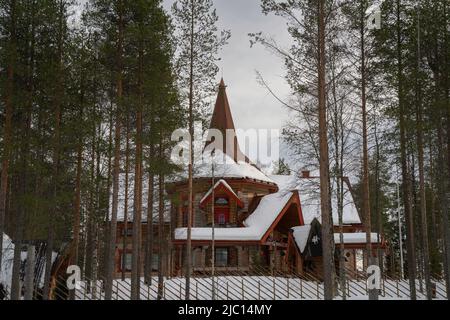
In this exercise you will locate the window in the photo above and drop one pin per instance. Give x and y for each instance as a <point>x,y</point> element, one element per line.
<point>129,232</point>
<point>185,216</point>
<point>221,201</point>
<point>221,257</point>
<point>221,218</point>
<point>127,256</point>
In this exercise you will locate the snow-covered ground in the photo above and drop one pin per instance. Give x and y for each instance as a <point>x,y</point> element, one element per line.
<point>254,288</point>
<point>7,262</point>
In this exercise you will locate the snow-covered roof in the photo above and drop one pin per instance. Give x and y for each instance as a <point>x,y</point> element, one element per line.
<point>355,238</point>
<point>256,225</point>
<point>220,182</point>
<point>309,191</point>
<point>301,235</point>
<point>224,167</point>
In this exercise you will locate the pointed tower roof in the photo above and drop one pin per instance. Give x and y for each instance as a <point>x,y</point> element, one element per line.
<point>223,120</point>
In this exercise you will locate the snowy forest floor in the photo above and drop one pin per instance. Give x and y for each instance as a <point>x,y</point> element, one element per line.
<point>253,288</point>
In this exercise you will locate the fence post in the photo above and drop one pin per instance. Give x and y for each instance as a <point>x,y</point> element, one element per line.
<point>117,290</point>
<point>180,291</point>
<point>243,289</point>
<point>196,289</point>
<point>301,288</point>
<point>398,291</point>
<point>288,293</point>
<point>227,290</point>
<point>318,290</point>
<point>259,290</point>
<point>274,294</point>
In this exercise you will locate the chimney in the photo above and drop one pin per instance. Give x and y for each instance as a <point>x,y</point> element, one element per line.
<point>306,174</point>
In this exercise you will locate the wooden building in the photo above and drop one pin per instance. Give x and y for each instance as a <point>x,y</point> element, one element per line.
<point>255,215</point>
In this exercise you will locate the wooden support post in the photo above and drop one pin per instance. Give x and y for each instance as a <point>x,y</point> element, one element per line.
<point>288,293</point>
<point>274,290</point>
<point>259,290</point>
<point>398,291</point>
<point>301,288</point>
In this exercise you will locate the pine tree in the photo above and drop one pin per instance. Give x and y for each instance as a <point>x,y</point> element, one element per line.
<point>199,43</point>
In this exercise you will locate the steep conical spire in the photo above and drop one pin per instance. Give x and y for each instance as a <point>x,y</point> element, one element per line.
<point>222,120</point>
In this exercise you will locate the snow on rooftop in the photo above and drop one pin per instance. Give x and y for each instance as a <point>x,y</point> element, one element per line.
<point>309,191</point>
<point>224,183</point>
<point>355,238</point>
<point>256,224</point>
<point>301,235</point>
<point>224,167</point>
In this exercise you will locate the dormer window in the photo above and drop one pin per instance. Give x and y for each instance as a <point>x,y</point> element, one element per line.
<point>221,201</point>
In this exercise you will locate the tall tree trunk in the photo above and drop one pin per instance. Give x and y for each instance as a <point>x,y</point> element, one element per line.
<point>150,200</point>
<point>423,203</point>
<point>443,186</point>
<point>111,248</point>
<point>29,273</point>
<point>373,294</point>
<point>7,128</point>
<point>378,213</point>
<point>161,230</point>
<point>327,227</point>
<point>125,209</point>
<point>406,185</point>
<point>191,158</point>
<point>137,215</point>
<point>447,117</point>
<point>77,200</point>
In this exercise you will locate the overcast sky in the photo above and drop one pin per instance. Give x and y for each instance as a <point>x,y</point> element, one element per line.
<point>252,106</point>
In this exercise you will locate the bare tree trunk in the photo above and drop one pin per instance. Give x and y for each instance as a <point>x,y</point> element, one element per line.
<point>423,203</point>
<point>137,215</point>
<point>161,231</point>
<point>7,129</point>
<point>29,273</point>
<point>56,153</point>
<point>149,241</point>
<point>405,176</point>
<point>447,117</point>
<point>327,228</point>
<point>77,200</point>
<point>444,207</point>
<point>125,209</point>
<point>191,159</point>
<point>116,170</point>
<point>371,260</point>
